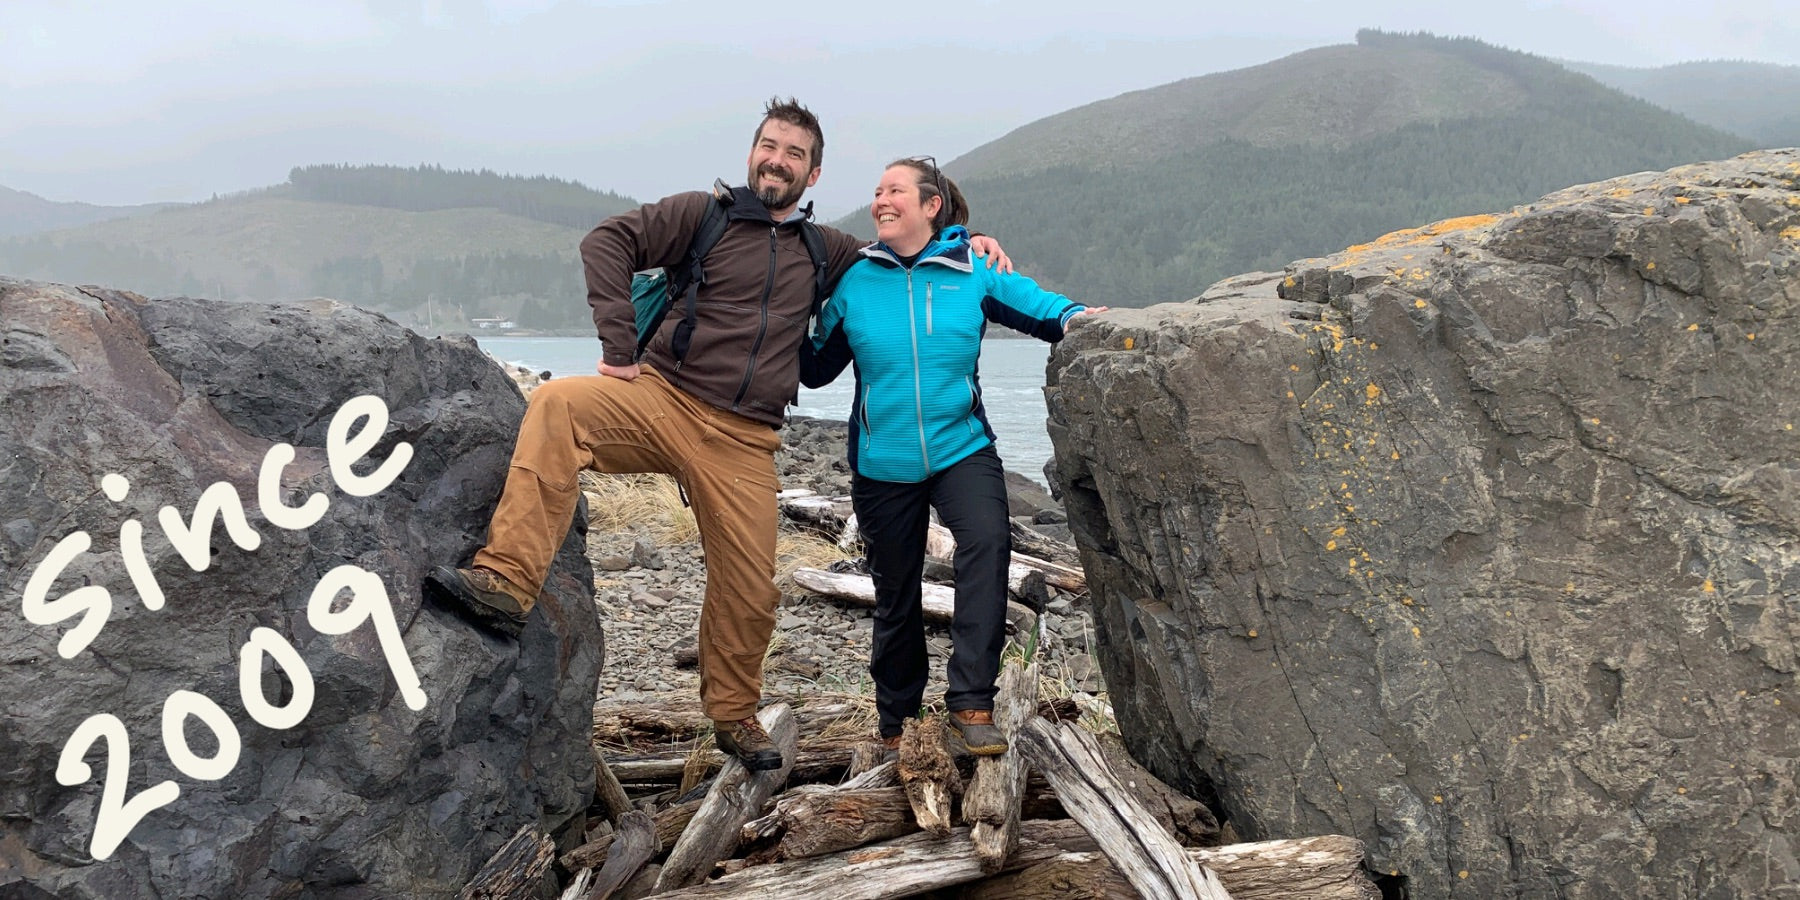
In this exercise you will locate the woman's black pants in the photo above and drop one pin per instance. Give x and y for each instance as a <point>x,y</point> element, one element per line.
<point>970,499</point>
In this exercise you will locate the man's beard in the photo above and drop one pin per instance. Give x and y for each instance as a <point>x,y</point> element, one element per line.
<point>777,195</point>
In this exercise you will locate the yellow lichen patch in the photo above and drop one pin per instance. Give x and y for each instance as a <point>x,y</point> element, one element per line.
<point>1331,545</point>
<point>1649,210</point>
<point>1338,531</point>
<point>1437,798</point>
<point>1418,304</point>
<point>1415,631</point>
<point>1411,236</point>
<point>1569,588</point>
<point>1252,632</point>
<point>1593,421</point>
<point>1394,455</point>
<point>1708,588</point>
<point>1407,601</point>
<point>1288,281</point>
<point>1372,391</point>
<point>1129,343</point>
<point>1791,233</point>
<point>1681,790</point>
<point>1683,201</point>
<point>1619,193</point>
<point>1694,327</point>
<point>1290,395</point>
<point>1750,337</point>
<point>1649,266</point>
<point>1293,368</point>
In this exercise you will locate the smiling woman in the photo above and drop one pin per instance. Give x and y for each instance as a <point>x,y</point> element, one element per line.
<point>912,314</point>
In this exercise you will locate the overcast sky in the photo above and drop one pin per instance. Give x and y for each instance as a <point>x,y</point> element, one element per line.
<point>129,102</point>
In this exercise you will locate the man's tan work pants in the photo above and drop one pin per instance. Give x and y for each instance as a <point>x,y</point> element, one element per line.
<point>726,464</point>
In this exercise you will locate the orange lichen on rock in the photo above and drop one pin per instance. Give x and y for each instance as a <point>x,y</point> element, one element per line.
<point>1412,236</point>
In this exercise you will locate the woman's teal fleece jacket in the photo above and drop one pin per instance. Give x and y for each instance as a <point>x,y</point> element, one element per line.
<point>915,337</point>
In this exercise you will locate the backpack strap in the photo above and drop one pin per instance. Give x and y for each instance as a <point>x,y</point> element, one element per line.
<point>815,248</point>
<point>685,279</point>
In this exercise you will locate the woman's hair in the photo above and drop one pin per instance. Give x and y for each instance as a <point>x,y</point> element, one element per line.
<point>934,183</point>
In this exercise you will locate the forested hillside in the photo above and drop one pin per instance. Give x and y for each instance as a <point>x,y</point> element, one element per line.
<point>1154,195</point>
<point>429,246</point>
<point>1760,101</point>
<point>27,213</point>
<point>540,198</point>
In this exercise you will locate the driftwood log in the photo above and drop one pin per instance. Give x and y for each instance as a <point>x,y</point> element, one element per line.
<point>669,822</point>
<point>636,723</point>
<point>1062,577</point>
<point>901,867</point>
<point>737,796</point>
<point>1045,548</point>
<point>991,805</point>
<point>1188,819</point>
<point>516,870</point>
<point>929,774</point>
<point>1318,868</point>
<point>865,756</point>
<point>637,844</point>
<point>938,601</point>
<point>815,512</point>
<point>668,768</point>
<point>1130,836</point>
<point>608,791</point>
<point>814,823</point>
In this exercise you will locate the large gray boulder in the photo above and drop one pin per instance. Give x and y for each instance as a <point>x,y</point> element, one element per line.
<point>386,786</point>
<point>1480,543</point>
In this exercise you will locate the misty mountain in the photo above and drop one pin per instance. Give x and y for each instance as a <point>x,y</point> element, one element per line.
<point>1147,197</point>
<point>429,246</point>
<point>26,213</point>
<point>1153,195</point>
<point>1760,101</point>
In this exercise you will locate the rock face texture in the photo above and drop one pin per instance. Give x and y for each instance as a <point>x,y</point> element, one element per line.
<point>242,737</point>
<point>1480,543</point>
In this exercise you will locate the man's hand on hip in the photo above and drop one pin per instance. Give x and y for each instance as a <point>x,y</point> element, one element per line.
<point>625,372</point>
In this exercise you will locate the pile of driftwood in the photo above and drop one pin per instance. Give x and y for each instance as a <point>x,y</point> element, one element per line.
<point>1064,813</point>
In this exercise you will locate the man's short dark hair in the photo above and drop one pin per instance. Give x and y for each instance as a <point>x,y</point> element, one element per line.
<point>791,112</point>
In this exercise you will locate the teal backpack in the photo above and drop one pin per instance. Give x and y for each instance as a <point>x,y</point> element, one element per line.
<point>653,292</point>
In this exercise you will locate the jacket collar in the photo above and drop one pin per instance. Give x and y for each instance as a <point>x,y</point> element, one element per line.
<point>746,205</point>
<point>950,248</point>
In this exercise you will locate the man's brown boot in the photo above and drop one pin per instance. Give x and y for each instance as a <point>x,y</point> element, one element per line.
<point>480,595</point>
<point>746,740</point>
<point>978,732</point>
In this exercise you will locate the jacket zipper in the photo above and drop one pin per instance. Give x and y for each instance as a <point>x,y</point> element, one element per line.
<point>912,330</point>
<point>928,307</point>
<point>761,329</point>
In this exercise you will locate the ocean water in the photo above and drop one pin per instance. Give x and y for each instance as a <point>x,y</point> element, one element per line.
<point>1012,386</point>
